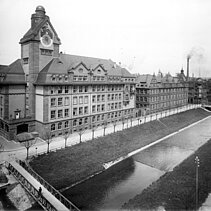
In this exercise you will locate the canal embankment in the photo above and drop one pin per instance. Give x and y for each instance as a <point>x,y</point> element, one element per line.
<point>66,167</point>
<point>176,190</point>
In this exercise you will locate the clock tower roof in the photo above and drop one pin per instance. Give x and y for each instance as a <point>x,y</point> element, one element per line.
<point>38,20</point>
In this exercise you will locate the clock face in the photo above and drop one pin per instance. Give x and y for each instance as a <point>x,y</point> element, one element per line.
<point>46,40</point>
<point>46,35</point>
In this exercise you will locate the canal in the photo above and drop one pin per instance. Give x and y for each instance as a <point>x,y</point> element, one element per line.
<point>112,188</point>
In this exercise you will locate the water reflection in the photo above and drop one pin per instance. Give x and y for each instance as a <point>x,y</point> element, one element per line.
<point>162,156</point>
<point>113,187</point>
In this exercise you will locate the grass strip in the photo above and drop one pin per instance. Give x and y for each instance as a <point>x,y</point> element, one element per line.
<point>68,166</point>
<point>176,190</point>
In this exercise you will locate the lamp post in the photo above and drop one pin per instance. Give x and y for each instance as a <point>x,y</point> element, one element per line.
<point>36,151</point>
<point>197,161</point>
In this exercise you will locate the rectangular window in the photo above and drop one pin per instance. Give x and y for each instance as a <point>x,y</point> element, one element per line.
<point>59,125</point>
<point>60,113</point>
<point>46,52</point>
<point>75,89</point>
<point>75,111</point>
<point>103,107</point>
<point>25,60</point>
<point>66,89</point>
<point>60,101</point>
<point>66,112</point>
<point>98,108</point>
<point>75,100</point>
<point>103,98</point>
<point>80,110</point>
<point>94,88</point>
<point>109,97</point>
<point>120,105</point>
<point>86,110</point>
<point>86,89</point>
<point>66,124</point>
<point>120,96</point>
<point>80,89</point>
<point>53,114</point>
<point>94,98</point>
<point>66,101</point>
<point>60,90</point>
<point>86,99</point>
<point>93,109</point>
<point>109,106</point>
<point>85,120</point>
<point>53,102</point>
<point>98,98</point>
<point>81,100</point>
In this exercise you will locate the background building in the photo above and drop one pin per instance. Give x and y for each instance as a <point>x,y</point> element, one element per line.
<point>198,91</point>
<point>159,93</point>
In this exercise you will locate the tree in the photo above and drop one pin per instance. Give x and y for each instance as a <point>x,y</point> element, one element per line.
<point>66,136</point>
<point>47,136</point>
<point>1,147</point>
<point>27,140</point>
<point>145,119</point>
<point>114,124</point>
<point>123,122</point>
<point>80,132</point>
<point>93,131</point>
<point>131,120</point>
<point>139,119</point>
<point>105,125</point>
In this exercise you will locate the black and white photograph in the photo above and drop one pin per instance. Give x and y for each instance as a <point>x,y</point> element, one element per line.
<point>105,105</point>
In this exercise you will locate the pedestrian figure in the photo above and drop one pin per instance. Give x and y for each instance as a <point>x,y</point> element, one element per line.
<point>39,191</point>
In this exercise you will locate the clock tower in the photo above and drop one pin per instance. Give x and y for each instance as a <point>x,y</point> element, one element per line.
<point>38,47</point>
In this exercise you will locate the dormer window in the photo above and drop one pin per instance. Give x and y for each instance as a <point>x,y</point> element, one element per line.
<point>53,78</point>
<point>80,70</point>
<point>60,78</point>
<point>66,78</point>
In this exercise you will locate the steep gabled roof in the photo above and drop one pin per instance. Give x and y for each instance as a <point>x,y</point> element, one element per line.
<point>146,78</point>
<point>14,73</point>
<point>32,33</point>
<point>66,63</point>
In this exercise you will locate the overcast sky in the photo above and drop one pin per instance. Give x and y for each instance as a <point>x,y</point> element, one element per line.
<point>144,35</point>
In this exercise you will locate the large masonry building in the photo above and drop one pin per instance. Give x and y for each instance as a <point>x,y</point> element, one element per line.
<point>48,90</point>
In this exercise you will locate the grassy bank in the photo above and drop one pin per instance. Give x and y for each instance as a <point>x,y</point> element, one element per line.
<point>67,166</point>
<point>176,190</point>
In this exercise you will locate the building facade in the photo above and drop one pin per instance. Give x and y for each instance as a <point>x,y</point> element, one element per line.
<point>48,90</point>
<point>198,91</point>
<point>159,93</point>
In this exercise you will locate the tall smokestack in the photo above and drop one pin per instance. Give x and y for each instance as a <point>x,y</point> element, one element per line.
<point>188,59</point>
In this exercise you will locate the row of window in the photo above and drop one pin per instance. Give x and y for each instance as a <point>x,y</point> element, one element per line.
<point>167,104</point>
<point>157,91</point>
<point>85,120</point>
<point>84,89</point>
<point>60,101</point>
<point>65,101</point>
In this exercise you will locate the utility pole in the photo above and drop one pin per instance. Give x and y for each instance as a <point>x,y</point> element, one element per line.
<point>197,179</point>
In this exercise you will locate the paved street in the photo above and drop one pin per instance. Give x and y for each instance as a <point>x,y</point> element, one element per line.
<point>14,150</point>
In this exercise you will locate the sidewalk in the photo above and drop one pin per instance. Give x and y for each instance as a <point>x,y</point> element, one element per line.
<point>58,142</point>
